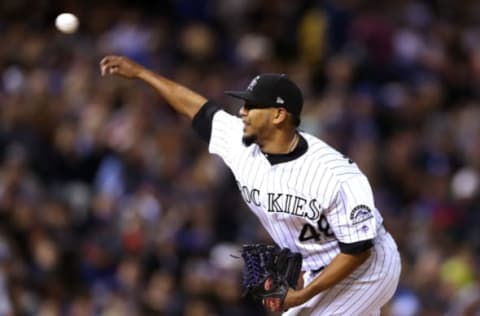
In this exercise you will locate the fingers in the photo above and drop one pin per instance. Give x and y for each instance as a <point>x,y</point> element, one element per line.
<point>109,65</point>
<point>300,282</point>
<point>272,304</point>
<point>119,65</point>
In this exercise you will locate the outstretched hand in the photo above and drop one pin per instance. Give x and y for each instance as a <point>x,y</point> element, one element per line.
<point>119,65</point>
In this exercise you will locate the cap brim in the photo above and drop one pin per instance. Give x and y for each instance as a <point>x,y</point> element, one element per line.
<point>244,95</point>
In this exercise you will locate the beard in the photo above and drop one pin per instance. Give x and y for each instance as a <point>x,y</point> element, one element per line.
<point>247,140</point>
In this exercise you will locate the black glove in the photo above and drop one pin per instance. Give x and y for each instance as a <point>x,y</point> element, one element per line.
<point>269,272</point>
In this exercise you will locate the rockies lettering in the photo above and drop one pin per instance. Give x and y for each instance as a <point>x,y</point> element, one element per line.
<point>283,203</point>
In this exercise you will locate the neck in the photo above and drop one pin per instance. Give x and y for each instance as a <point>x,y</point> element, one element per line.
<point>283,143</point>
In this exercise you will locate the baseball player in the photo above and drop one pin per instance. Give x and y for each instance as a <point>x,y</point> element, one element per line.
<point>309,197</point>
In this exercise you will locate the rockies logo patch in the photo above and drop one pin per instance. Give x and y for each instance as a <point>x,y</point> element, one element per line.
<point>360,214</point>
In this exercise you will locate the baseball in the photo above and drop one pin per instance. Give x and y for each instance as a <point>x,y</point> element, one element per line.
<point>66,23</point>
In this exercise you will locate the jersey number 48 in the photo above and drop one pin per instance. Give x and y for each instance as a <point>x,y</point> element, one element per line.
<point>311,232</point>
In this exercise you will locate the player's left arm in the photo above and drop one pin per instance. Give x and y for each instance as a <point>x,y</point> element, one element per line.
<point>340,267</point>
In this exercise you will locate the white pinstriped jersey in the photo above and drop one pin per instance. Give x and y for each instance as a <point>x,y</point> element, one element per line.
<point>308,204</point>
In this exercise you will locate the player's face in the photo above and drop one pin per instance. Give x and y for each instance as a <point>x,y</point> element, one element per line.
<point>256,123</point>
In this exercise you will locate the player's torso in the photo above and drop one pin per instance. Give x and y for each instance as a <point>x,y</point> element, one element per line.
<point>289,199</point>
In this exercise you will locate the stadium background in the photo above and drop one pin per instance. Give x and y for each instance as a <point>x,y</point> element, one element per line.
<point>110,205</point>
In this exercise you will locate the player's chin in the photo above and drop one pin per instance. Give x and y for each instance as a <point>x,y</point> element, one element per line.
<point>247,139</point>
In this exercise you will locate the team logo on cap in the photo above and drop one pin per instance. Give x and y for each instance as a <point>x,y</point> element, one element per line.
<point>253,83</point>
<point>280,100</point>
<point>360,214</point>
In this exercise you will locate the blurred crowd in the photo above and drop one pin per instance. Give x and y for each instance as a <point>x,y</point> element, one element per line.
<point>111,205</point>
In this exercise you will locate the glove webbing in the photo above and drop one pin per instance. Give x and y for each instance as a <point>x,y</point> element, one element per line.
<point>263,261</point>
<point>258,265</point>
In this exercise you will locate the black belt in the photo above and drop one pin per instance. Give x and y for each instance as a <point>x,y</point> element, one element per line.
<point>317,270</point>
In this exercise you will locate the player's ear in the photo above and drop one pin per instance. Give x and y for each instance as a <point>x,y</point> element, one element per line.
<point>280,115</point>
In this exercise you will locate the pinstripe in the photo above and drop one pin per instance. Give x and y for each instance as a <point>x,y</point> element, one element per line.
<point>329,162</point>
<point>341,174</point>
<point>371,265</point>
<point>323,185</point>
<point>345,209</point>
<point>243,158</point>
<point>331,295</point>
<point>318,180</point>
<point>305,170</point>
<point>384,283</point>
<point>371,288</point>
<point>343,167</point>
<point>311,179</point>
<point>296,222</point>
<point>256,163</point>
<point>348,234</point>
<point>248,172</point>
<point>271,218</point>
<point>222,139</point>
<point>262,216</point>
<point>280,183</point>
<point>338,223</point>
<point>386,272</point>
<point>321,157</point>
<point>394,278</point>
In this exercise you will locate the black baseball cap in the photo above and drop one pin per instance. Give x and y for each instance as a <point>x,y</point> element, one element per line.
<point>272,90</point>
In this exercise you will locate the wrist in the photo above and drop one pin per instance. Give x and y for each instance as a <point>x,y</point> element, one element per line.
<point>306,293</point>
<point>142,73</point>
<point>299,297</point>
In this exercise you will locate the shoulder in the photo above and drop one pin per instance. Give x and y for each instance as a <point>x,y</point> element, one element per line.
<point>320,151</point>
<point>330,161</point>
<point>226,119</point>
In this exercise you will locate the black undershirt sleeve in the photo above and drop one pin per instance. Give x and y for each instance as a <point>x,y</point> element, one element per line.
<point>356,247</point>
<point>202,121</point>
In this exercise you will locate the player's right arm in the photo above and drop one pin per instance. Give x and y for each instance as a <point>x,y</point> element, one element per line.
<point>180,98</point>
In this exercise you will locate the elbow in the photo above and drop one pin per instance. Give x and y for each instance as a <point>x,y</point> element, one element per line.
<point>364,255</point>
<point>360,251</point>
<point>359,258</point>
<point>357,248</point>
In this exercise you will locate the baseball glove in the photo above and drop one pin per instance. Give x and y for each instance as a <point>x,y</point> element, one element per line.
<point>269,272</point>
